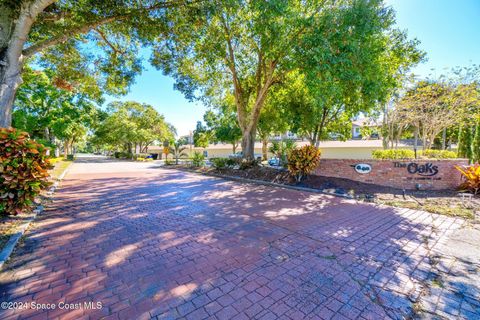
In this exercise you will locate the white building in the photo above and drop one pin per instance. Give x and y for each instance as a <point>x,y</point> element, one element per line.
<point>357,126</point>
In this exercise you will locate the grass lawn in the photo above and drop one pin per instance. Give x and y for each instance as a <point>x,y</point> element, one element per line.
<point>60,167</point>
<point>448,207</point>
<point>9,225</point>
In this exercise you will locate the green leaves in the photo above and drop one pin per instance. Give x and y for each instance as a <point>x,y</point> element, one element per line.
<point>201,136</point>
<point>129,123</point>
<point>302,161</point>
<point>223,125</point>
<point>24,167</point>
<point>432,106</point>
<point>46,108</point>
<point>334,58</point>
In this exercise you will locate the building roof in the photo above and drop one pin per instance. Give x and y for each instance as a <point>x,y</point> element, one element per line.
<point>365,123</point>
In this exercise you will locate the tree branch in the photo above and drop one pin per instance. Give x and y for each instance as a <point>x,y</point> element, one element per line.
<point>105,39</point>
<point>34,48</point>
<point>28,52</point>
<point>53,16</point>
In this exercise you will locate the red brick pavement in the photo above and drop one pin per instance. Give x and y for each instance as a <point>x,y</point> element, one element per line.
<point>149,243</point>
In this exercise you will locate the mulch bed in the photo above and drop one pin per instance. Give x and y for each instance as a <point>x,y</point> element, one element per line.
<point>438,201</point>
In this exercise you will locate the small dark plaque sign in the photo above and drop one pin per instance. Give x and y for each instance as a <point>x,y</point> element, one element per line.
<point>362,168</point>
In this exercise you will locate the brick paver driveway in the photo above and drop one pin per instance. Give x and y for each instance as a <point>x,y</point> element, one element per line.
<point>148,242</point>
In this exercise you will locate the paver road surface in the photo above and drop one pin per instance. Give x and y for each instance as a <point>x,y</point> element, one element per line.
<point>125,240</point>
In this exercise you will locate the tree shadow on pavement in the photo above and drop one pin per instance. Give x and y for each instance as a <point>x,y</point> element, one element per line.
<point>179,244</point>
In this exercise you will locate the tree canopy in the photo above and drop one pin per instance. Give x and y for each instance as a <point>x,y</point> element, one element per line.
<point>245,48</point>
<point>132,127</point>
<point>223,126</point>
<point>52,114</point>
<point>89,43</point>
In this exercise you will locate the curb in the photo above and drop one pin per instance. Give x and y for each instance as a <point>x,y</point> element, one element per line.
<point>271,184</point>
<point>12,242</point>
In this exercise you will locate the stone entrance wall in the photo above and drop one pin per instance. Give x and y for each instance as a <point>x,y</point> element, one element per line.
<point>403,174</point>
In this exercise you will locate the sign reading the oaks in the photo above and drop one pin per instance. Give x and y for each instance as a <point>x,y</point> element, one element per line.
<point>427,169</point>
<point>421,174</point>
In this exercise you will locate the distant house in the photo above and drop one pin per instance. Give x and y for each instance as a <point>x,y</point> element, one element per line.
<point>360,124</point>
<point>287,135</point>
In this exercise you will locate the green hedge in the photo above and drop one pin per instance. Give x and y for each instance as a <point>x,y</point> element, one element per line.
<point>123,155</point>
<point>222,163</point>
<point>396,154</point>
<point>439,154</point>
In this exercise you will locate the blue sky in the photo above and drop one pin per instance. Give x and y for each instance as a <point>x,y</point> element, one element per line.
<point>448,31</point>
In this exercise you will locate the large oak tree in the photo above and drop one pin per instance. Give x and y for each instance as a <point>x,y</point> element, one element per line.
<point>68,32</point>
<point>245,48</point>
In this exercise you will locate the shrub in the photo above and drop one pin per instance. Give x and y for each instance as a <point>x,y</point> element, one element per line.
<point>169,162</point>
<point>302,161</point>
<point>24,171</point>
<point>124,155</point>
<point>197,159</point>
<point>471,175</point>
<point>393,154</point>
<point>244,164</point>
<point>439,154</point>
<point>70,157</point>
<point>219,163</point>
<point>231,162</point>
<point>281,149</point>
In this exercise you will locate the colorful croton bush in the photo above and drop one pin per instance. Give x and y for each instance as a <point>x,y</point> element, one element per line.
<point>471,175</point>
<point>302,161</point>
<point>23,171</point>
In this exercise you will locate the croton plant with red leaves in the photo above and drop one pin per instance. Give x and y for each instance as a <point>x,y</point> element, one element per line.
<point>23,171</point>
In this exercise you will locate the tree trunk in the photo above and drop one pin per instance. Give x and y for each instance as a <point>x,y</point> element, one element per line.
<point>264,148</point>
<point>248,144</point>
<point>415,143</point>
<point>318,134</point>
<point>46,134</point>
<point>65,149</point>
<point>10,80</point>
<point>14,30</point>
<point>385,127</point>
<point>444,139</point>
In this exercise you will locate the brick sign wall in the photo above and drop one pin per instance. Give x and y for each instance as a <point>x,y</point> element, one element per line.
<point>403,174</point>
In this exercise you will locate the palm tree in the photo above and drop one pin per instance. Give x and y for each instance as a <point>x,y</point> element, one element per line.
<point>177,151</point>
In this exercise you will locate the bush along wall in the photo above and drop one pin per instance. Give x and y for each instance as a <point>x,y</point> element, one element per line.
<point>403,154</point>
<point>24,171</point>
<point>302,161</point>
